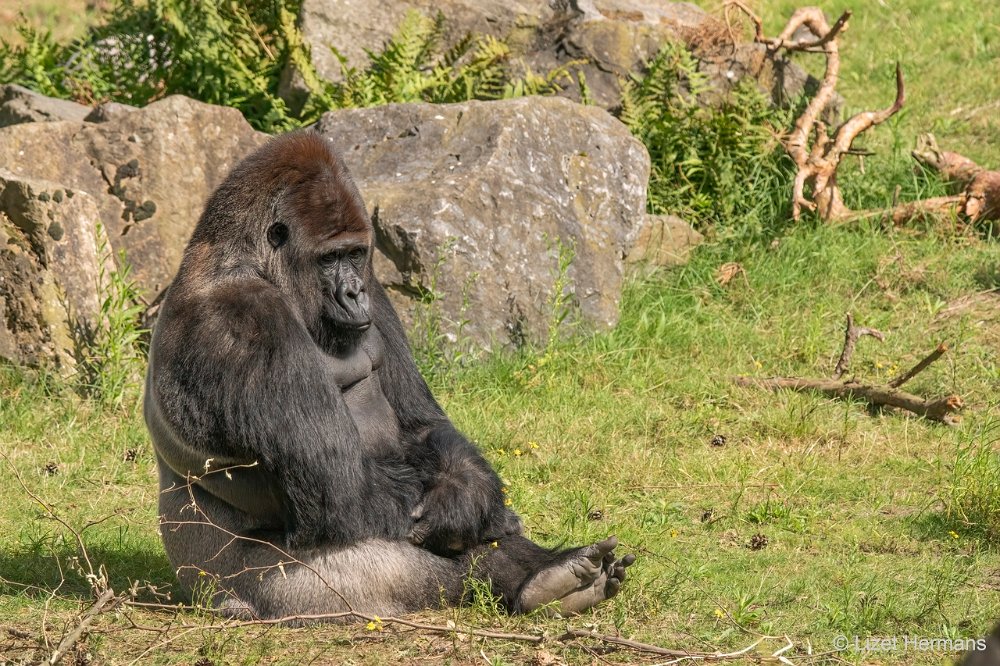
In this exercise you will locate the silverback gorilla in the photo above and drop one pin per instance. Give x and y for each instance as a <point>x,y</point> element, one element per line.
<point>305,467</point>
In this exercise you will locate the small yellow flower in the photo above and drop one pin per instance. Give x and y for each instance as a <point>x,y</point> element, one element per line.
<point>758,364</point>
<point>375,624</point>
<point>719,613</point>
<point>494,544</point>
<point>518,452</point>
<point>673,534</point>
<point>501,452</point>
<point>507,501</point>
<point>878,364</point>
<point>953,534</point>
<point>202,573</point>
<point>504,490</point>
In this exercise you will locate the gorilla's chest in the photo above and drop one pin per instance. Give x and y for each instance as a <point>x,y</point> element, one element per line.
<point>357,374</point>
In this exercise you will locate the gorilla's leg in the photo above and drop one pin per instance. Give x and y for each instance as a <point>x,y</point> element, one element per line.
<point>252,577</point>
<point>528,576</point>
<point>208,543</point>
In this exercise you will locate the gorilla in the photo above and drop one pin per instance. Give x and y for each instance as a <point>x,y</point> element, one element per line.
<point>305,468</point>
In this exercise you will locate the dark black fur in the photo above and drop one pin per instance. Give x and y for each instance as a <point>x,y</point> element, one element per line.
<point>279,357</point>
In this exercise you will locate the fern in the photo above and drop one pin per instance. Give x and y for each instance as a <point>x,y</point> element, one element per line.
<point>414,68</point>
<point>705,157</point>
<point>233,53</point>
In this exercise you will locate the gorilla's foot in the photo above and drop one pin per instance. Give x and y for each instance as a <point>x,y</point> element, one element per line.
<point>585,578</point>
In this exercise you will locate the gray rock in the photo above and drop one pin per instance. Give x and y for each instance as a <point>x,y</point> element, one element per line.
<point>108,111</point>
<point>661,241</point>
<point>20,105</point>
<point>472,202</point>
<point>49,270</point>
<point>615,37</point>
<point>149,172</point>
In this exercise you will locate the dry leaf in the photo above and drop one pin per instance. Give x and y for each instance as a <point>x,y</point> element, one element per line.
<point>728,271</point>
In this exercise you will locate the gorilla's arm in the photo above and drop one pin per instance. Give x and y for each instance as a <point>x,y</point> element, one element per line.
<point>463,502</point>
<point>244,378</point>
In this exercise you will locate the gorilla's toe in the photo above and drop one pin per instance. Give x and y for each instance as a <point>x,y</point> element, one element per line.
<point>586,578</point>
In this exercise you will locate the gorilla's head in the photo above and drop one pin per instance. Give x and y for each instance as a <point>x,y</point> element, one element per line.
<point>291,214</point>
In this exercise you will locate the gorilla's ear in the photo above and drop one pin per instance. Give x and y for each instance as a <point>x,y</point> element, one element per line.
<point>277,235</point>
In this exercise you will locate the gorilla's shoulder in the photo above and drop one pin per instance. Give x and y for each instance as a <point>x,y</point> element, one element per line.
<point>241,317</point>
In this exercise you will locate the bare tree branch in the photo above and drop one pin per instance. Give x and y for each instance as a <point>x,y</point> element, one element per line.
<point>851,335</point>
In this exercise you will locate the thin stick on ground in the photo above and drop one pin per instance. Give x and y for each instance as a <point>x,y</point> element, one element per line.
<point>919,367</point>
<point>941,409</point>
<point>944,410</point>
<point>851,336</point>
<point>104,601</point>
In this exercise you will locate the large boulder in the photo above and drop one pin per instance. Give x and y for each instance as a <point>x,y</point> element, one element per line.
<point>604,39</point>
<point>475,205</point>
<point>149,172</point>
<point>20,105</point>
<point>474,202</point>
<point>49,270</point>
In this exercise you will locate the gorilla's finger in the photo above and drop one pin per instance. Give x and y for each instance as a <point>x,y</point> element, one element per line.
<point>607,545</point>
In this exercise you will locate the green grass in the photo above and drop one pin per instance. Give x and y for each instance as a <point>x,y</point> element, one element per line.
<point>876,524</point>
<point>860,510</point>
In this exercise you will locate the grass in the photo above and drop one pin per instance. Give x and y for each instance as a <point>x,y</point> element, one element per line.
<point>866,524</point>
<point>873,524</point>
<point>66,19</point>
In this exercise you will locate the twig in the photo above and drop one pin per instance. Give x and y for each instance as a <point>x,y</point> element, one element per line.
<point>721,656</point>
<point>851,335</point>
<point>941,409</point>
<point>72,637</point>
<point>570,634</point>
<point>919,367</point>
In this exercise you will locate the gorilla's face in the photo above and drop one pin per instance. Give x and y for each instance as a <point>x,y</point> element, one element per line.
<point>321,240</point>
<point>345,303</point>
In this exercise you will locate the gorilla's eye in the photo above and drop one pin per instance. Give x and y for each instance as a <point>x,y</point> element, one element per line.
<point>357,256</point>
<point>277,235</point>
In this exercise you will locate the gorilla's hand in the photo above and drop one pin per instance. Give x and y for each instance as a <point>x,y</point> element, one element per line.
<point>446,523</point>
<point>507,524</point>
<point>463,503</point>
<point>447,540</point>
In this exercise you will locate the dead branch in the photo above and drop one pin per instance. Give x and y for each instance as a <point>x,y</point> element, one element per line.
<point>919,367</point>
<point>952,167</point>
<point>982,197</point>
<point>851,335</point>
<point>817,153</point>
<point>912,211</point>
<point>943,409</point>
<point>70,639</point>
